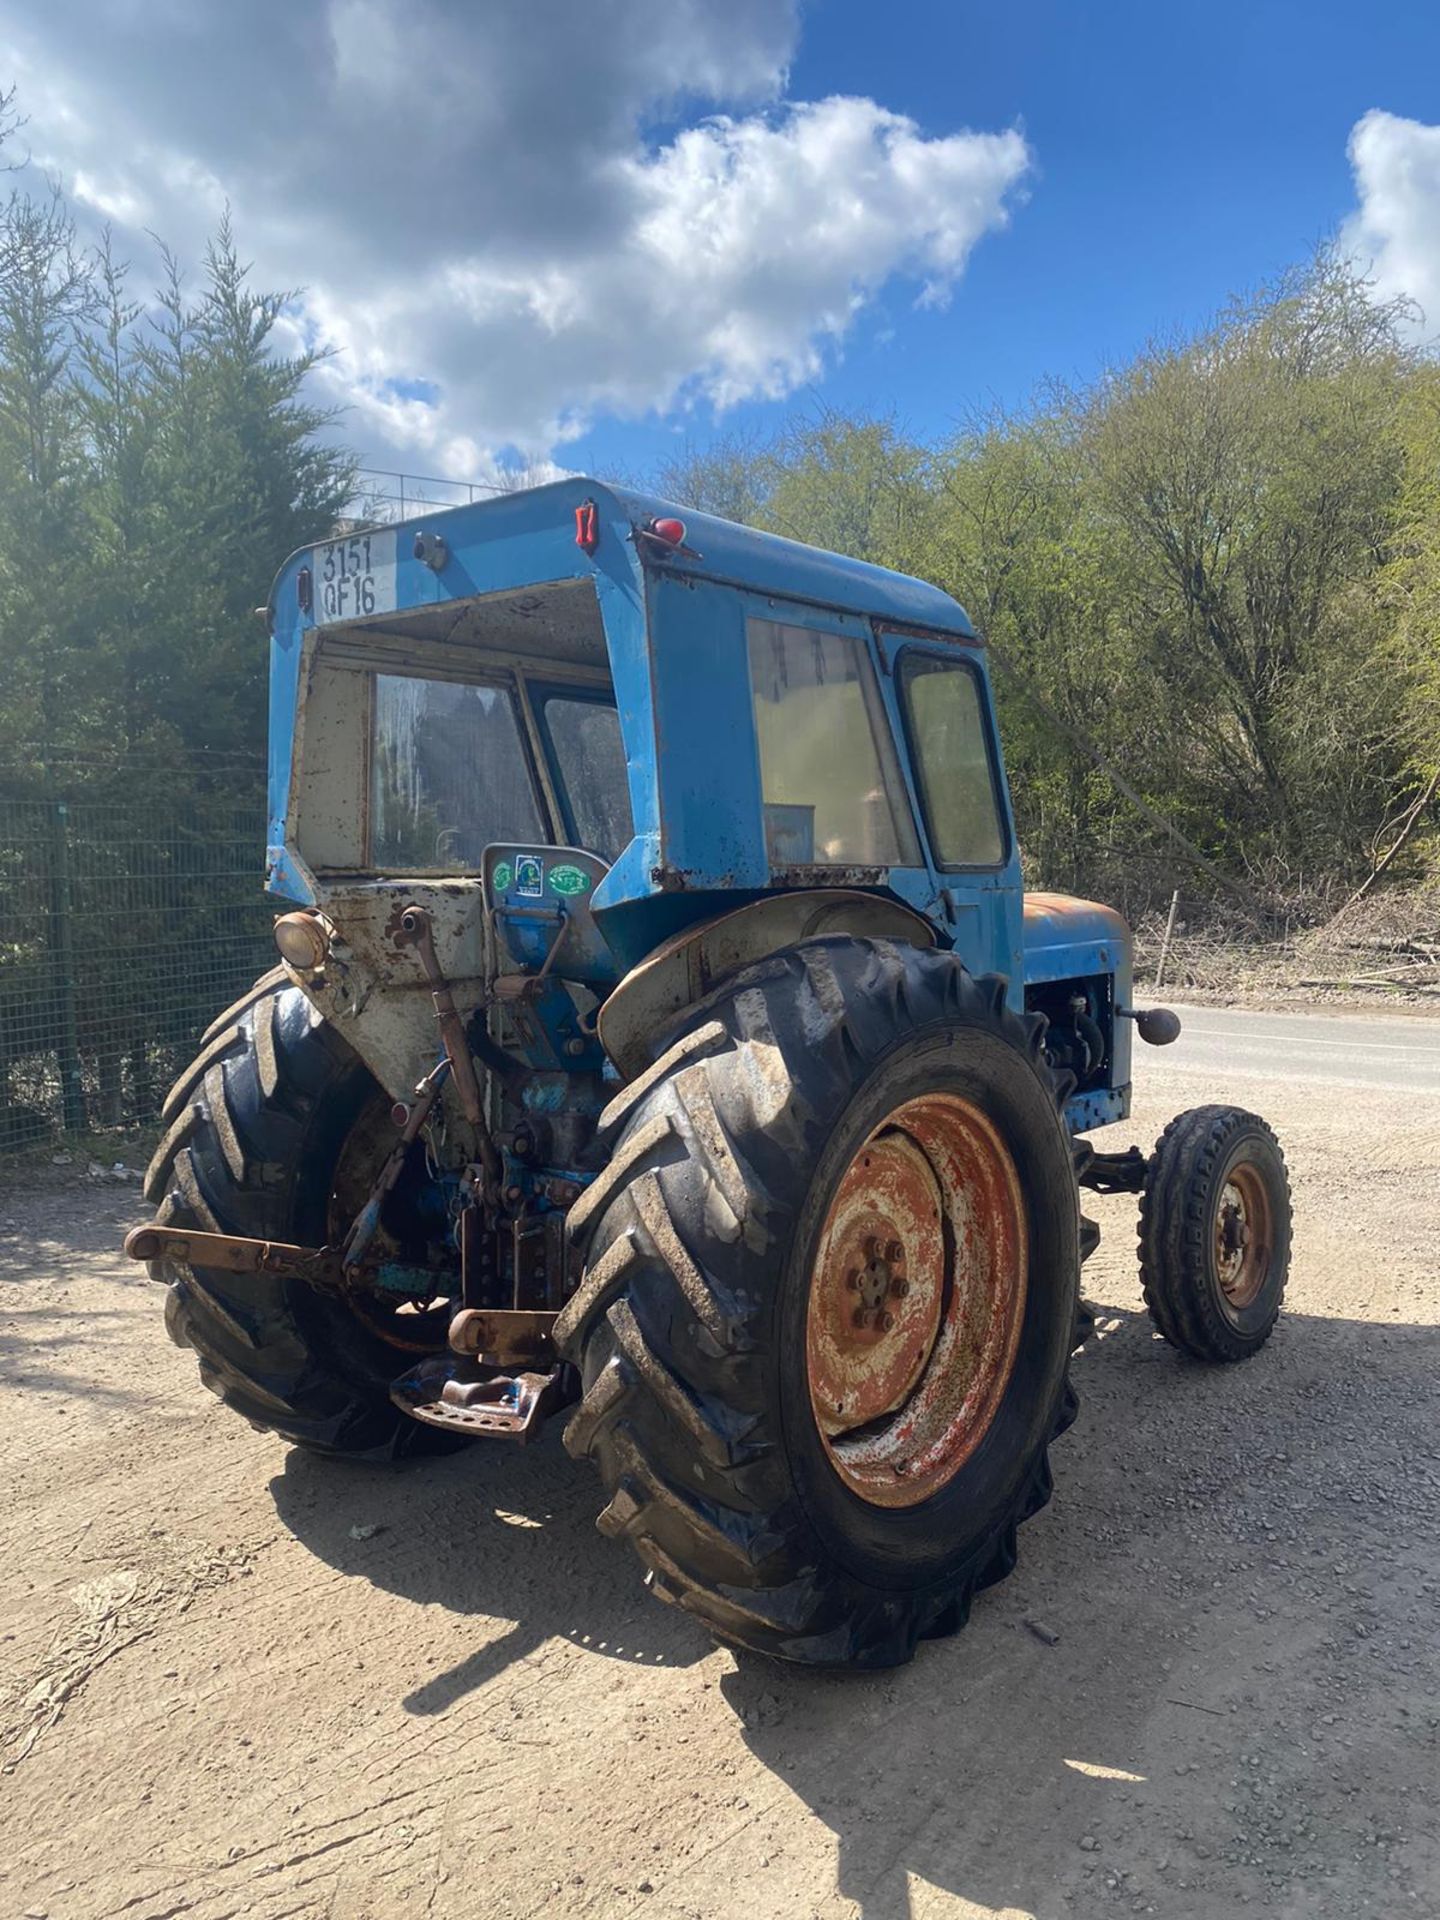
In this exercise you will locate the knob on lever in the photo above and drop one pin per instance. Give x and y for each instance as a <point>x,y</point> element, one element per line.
<point>1157,1026</point>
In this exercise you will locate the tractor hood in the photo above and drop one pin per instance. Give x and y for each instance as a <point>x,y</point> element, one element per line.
<point>1079,940</point>
<point>1064,937</point>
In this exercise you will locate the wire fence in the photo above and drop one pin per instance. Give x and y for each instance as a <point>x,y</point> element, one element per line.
<point>125,927</point>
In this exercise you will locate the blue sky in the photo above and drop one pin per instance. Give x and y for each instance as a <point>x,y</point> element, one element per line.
<point>1181,154</point>
<point>582,232</point>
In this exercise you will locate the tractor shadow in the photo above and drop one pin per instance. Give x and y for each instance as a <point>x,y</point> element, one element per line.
<point>1069,1753</point>
<point>494,1531</point>
<point>1072,1751</point>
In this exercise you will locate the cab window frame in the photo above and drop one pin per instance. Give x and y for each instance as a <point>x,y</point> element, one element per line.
<point>909,663</point>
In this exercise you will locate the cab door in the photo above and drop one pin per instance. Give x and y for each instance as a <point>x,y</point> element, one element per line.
<point>937,692</point>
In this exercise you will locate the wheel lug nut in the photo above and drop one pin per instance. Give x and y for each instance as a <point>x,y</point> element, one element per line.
<point>860,1317</point>
<point>887,1321</point>
<point>894,1250</point>
<point>899,1287</point>
<point>852,1280</point>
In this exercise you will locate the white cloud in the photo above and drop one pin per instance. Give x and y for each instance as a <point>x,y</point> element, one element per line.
<point>1395,233</point>
<point>510,219</point>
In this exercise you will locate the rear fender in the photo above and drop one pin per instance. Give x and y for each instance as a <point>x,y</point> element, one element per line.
<point>684,970</point>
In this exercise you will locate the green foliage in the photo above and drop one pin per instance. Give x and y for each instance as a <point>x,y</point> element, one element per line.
<point>1212,579</point>
<point>157,461</point>
<point>155,466</point>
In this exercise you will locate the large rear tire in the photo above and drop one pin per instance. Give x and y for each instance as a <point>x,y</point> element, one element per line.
<point>256,1129</point>
<point>712,1327</point>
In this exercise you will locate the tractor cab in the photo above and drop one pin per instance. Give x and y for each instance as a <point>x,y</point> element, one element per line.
<point>721,720</point>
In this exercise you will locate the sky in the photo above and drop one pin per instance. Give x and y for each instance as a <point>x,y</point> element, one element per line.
<point>585,234</point>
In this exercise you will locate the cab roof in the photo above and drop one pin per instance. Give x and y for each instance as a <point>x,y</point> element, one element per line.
<point>533,533</point>
<point>768,563</point>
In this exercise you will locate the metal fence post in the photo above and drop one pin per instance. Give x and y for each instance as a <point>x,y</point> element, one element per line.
<point>1163,961</point>
<point>62,948</point>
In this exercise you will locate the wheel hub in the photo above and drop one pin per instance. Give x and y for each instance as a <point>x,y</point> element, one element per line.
<point>1242,1236</point>
<point>875,1303</point>
<point>916,1297</point>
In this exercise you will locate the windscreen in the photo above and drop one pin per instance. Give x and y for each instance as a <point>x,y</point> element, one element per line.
<point>448,774</point>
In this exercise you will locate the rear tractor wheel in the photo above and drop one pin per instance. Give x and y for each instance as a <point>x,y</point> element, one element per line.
<point>1215,1233</point>
<point>277,1131</point>
<point>829,1298</point>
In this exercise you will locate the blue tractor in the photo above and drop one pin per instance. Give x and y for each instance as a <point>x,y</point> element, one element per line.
<point>661,1032</point>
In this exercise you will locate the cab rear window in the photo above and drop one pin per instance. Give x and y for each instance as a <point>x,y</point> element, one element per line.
<point>448,774</point>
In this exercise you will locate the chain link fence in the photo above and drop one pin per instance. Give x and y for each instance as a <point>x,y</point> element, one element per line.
<point>125,927</point>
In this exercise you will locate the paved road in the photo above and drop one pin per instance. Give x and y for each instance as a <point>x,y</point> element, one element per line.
<point>1366,1050</point>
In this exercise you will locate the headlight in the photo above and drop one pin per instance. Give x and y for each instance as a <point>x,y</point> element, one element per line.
<point>302,941</point>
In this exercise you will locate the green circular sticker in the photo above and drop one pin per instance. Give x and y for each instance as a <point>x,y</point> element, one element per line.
<point>568,879</point>
<point>502,876</point>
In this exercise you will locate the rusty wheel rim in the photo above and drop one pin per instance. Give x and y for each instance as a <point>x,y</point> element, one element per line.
<point>1244,1239</point>
<point>917,1294</point>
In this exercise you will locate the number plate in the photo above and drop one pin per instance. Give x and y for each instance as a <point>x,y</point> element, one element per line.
<point>355,577</point>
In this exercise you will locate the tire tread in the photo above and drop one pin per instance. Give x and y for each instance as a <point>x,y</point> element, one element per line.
<point>667,1331</point>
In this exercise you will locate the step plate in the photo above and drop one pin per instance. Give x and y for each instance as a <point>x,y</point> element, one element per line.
<point>492,1406</point>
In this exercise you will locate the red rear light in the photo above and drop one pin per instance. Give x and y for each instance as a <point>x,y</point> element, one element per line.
<point>672,532</point>
<point>587,526</point>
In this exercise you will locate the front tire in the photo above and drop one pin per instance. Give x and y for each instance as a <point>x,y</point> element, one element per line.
<point>1215,1233</point>
<point>723,1246</point>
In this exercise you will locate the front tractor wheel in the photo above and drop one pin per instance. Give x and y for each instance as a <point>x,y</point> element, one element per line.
<point>829,1297</point>
<point>1215,1233</point>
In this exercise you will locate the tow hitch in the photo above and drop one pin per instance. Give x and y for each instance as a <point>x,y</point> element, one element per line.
<point>501,1378</point>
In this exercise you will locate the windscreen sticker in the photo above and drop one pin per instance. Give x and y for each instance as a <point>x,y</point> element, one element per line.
<point>569,880</point>
<point>530,876</point>
<point>502,876</point>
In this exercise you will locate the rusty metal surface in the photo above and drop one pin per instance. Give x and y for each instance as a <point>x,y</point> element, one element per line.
<point>1053,919</point>
<point>878,1288</point>
<point>916,1300</point>
<point>1244,1235</point>
<point>367,1221</point>
<point>229,1253</point>
<point>416,929</point>
<point>682,971</point>
<point>502,1339</point>
<point>502,1406</point>
<point>390,1286</point>
<point>372,989</point>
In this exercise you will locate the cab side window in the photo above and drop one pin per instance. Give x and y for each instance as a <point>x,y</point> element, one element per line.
<point>954,765</point>
<point>829,780</point>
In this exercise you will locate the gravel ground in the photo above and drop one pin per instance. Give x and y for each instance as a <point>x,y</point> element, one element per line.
<point>237,1681</point>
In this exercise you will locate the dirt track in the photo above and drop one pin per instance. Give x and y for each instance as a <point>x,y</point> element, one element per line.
<point>236,1681</point>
